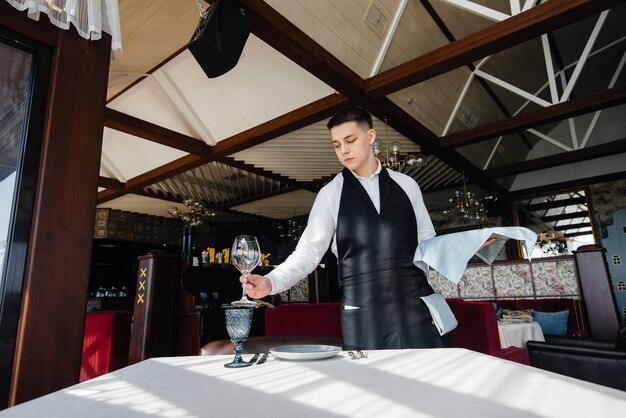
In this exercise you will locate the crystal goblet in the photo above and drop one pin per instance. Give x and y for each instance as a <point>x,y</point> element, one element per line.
<point>238,324</point>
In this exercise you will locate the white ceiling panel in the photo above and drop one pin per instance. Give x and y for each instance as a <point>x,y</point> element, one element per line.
<point>282,206</point>
<point>307,154</point>
<point>148,101</point>
<point>133,156</point>
<point>139,204</point>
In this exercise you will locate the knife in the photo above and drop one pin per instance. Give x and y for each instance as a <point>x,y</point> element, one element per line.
<point>263,358</point>
<point>254,358</point>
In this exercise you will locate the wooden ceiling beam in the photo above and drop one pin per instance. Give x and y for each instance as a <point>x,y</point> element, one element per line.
<point>497,37</point>
<point>565,186</point>
<point>578,234</point>
<point>286,38</point>
<point>248,168</point>
<point>408,126</point>
<point>483,83</point>
<point>575,107</point>
<point>109,183</point>
<point>177,199</point>
<point>282,35</point>
<point>572,226</point>
<point>252,169</point>
<point>137,127</point>
<point>243,201</point>
<point>588,153</point>
<point>562,216</point>
<point>168,197</point>
<point>304,116</point>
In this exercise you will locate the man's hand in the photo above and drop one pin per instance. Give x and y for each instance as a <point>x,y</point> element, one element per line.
<point>489,241</point>
<point>257,286</point>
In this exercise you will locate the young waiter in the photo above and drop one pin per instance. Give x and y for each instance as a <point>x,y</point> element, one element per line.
<point>374,218</point>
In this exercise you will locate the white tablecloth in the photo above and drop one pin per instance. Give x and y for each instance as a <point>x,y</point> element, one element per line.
<point>516,334</point>
<point>431,383</point>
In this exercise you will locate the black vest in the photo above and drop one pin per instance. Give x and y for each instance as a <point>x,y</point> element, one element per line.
<point>375,257</point>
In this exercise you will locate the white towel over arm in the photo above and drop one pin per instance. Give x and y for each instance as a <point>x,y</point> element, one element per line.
<point>449,254</point>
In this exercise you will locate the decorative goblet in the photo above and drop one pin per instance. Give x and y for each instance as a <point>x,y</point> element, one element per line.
<point>245,256</point>
<point>238,324</point>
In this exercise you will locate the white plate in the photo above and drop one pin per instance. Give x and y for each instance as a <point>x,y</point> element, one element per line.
<point>304,352</point>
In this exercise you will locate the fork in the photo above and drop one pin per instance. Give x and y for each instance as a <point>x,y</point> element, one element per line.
<point>254,358</point>
<point>263,358</point>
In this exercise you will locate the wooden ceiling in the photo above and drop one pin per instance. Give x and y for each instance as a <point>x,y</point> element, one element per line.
<point>470,93</point>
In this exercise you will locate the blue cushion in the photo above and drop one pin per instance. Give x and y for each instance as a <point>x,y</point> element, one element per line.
<point>498,311</point>
<point>554,323</point>
<point>499,314</point>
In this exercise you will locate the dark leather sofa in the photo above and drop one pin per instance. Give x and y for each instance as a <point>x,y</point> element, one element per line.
<point>601,362</point>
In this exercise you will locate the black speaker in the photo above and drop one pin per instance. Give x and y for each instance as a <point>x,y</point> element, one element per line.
<point>220,38</point>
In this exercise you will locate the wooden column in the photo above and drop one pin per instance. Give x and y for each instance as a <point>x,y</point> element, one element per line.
<point>597,292</point>
<point>155,304</point>
<point>50,335</point>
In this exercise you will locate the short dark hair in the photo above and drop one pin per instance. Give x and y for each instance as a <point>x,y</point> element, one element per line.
<point>351,114</point>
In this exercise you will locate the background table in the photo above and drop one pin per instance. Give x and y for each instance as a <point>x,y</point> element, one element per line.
<point>515,334</point>
<point>438,383</point>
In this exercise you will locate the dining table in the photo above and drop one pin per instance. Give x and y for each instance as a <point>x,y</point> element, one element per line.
<point>446,382</point>
<point>517,333</point>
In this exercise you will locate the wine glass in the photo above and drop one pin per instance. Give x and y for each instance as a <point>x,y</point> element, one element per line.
<point>245,256</point>
<point>238,324</point>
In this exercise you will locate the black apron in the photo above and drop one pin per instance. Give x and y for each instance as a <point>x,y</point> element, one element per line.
<point>375,258</point>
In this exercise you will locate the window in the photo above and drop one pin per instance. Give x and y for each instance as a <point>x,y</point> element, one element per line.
<point>561,221</point>
<point>25,71</point>
<point>16,64</point>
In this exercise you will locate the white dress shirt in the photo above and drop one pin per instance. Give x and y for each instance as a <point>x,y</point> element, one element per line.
<point>321,227</point>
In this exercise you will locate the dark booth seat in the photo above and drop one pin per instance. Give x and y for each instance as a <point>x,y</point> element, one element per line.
<point>600,362</point>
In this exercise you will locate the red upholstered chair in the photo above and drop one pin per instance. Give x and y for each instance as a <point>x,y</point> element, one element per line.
<point>105,343</point>
<point>478,330</point>
<point>304,319</point>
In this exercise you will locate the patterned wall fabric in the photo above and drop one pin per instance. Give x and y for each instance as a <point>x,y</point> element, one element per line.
<point>546,278</point>
<point>298,293</point>
<point>554,277</point>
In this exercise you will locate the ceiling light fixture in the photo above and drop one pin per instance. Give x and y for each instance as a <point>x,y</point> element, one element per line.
<point>390,155</point>
<point>194,215</point>
<point>467,207</point>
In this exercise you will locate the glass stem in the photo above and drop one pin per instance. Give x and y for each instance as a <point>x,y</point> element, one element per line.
<point>243,286</point>
<point>238,351</point>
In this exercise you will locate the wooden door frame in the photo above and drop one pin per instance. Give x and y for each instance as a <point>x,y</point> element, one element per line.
<point>50,334</point>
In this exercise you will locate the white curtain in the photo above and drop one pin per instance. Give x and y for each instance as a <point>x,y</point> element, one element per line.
<point>89,17</point>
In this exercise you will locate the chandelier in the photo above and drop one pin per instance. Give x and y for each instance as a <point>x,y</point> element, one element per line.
<point>467,207</point>
<point>292,228</point>
<point>195,213</point>
<point>391,157</point>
